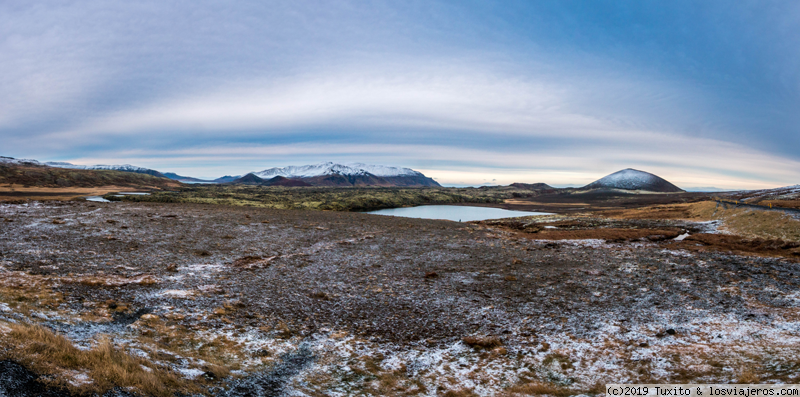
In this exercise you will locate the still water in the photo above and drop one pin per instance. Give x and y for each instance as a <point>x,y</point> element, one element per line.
<point>100,199</point>
<point>454,213</point>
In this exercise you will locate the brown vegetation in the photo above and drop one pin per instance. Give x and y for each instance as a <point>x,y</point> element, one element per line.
<point>487,342</point>
<point>46,352</point>
<point>51,177</point>
<point>739,245</point>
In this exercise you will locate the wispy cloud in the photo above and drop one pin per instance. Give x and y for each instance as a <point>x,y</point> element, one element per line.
<point>523,90</point>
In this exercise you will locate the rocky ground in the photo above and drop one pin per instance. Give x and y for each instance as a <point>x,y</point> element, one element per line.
<point>235,301</point>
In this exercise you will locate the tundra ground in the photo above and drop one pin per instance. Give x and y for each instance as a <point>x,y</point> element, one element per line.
<point>154,299</point>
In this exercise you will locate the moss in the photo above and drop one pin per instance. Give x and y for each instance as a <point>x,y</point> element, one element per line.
<point>326,198</point>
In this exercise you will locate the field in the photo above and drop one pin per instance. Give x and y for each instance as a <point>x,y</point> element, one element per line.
<point>155,298</point>
<point>330,198</point>
<point>21,183</point>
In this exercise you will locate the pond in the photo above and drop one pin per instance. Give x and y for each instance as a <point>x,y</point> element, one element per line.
<point>97,199</point>
<point>458,213</point>
<point>100,199</point>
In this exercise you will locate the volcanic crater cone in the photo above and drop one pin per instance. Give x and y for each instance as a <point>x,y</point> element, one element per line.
<point>631,179</point>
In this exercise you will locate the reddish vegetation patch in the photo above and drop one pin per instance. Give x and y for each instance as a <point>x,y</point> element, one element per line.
<point>740,245</point>
<point>655,212</point>
<point>251,262</point>
<point>609,234</point>
<point>488,342</point>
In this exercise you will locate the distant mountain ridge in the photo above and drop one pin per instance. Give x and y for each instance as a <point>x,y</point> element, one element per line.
<point>32,173</point>
<point>331,168</point>
<point>532,186</point>
<point>631,179</point>
<point>322,174</point>
<point>123,167</point>
<point>334,174</point>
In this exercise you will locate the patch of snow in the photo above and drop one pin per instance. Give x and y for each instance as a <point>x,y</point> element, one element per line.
<point>79,379</point>
<point>177,293</point>
<point>682,236</point>
<point>685,254</point>
<point>189,373</point>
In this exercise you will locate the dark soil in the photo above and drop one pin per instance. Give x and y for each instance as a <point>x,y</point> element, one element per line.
<point>17,381</point>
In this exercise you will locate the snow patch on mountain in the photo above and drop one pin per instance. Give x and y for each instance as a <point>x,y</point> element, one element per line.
<point>781,193</point>
<point>631,179</point>
<point>11,160</point>
<point>330,168</point>
<point>123,167</point>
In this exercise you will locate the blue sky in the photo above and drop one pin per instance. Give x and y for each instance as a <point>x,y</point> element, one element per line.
<point>703,93</point>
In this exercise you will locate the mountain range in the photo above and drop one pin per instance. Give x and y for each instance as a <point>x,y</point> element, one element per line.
<point>360,174</point>
<point>323,174</point>
<point>334,174</point>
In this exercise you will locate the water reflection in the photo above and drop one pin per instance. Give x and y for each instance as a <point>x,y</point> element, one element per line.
<point>454,213</point>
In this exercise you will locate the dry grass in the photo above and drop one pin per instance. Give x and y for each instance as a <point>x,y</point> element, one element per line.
<point>746,222</point>
<point>43,351</point>
<point>488,342</point>
<point>538,388</point>
<point>748,377</point>
<point>460,393</point>
<point>781,203</point>
<point>760,224</point>
<point>221,353</point>
<point>110,280</point>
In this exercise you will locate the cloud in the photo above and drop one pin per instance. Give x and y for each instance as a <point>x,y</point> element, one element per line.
<point>556,92</point>
<point>703,161</point>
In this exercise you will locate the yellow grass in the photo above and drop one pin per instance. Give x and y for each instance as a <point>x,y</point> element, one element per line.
<point>745,222</point>
<point>539,388</point>
<point>45,352</point>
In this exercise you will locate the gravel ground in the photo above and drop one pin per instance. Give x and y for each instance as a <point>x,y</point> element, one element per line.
<point>327,303</point>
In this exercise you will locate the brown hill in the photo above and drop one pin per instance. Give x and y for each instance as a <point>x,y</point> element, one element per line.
<point>29,175</point>
<point>282,181</point>
<point>252,179</point>
<point>532,186</point>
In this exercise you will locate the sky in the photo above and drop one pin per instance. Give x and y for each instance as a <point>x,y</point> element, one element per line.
<point>702,93</point>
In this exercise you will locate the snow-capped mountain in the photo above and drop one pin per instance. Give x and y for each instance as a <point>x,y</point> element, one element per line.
<point>123,167</point>
<point>11,160</point>
<point>780,193</point>
<point>350,174</point>
<point>330,168</point>
<point>631,179</point>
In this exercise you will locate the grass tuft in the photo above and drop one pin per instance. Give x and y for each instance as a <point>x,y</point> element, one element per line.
<point>46,352</point>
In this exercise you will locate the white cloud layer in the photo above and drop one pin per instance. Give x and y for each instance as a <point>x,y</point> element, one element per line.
<point>468,93</point>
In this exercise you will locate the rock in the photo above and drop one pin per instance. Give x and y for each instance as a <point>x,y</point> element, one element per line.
<point>59,221</point>
<point>666,332</point>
